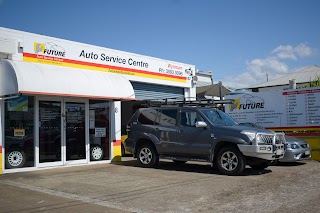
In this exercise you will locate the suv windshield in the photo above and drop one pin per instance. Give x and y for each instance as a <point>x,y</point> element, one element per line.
<point>218,117</point>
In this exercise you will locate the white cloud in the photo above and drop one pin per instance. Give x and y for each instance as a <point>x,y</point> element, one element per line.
<point>293,53</point>
<point>262,69</point>
<point>258,71</point>
<point>261,66</point>
<point>303,50</point>
<point>284,52</point>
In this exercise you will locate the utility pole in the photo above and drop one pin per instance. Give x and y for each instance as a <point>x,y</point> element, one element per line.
<point>220,90</point>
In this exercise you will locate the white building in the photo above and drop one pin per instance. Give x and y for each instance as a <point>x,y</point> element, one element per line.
<point>204,78</point>
<point>60,101</point>
<point>300,77</point>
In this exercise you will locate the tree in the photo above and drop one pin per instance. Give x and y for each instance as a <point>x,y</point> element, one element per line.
<point>314,83</point>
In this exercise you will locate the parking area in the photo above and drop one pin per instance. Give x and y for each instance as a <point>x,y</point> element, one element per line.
<point>125,187</point>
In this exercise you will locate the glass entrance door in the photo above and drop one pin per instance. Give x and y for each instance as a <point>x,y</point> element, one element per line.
<point>49,132</point>
<point>75,126</point>
<point>62,132</point>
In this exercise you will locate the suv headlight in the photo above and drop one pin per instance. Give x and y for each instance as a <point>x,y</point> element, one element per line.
<point>251,135</point>
<point>259,140</point>
<point>292,146</point>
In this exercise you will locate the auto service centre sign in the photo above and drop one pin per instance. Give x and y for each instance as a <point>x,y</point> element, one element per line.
<point>58,52</point>
<point>286,108</point>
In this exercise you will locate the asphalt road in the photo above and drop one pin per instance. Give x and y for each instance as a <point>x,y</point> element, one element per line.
<point>125,187</point>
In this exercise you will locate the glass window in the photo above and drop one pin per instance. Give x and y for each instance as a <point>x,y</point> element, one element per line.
<point>166,117</point>
<point>99,127</point>
<point>147,116</point>
<point>189,118</point>
<point>19,132</point>
<point>218,117</point>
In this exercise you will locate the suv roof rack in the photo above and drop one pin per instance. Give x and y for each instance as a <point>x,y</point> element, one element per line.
<point>196,102</point>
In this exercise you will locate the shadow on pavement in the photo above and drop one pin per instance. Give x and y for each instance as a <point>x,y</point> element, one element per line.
<point>290,164</point>
<point>203,168</point>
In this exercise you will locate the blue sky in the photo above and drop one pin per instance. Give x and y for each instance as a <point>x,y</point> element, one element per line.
<point>241,42</point>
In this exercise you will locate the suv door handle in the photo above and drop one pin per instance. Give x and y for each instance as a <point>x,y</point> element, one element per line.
<point>156,129</point>
<point>180,130</point>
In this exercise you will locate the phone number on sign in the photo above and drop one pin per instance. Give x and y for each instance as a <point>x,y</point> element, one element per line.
<point>171,72</point>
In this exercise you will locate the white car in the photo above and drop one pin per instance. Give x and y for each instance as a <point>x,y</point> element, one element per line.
<point>296,148</point>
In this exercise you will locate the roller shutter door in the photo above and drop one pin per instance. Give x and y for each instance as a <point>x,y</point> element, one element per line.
<point>145,91</point>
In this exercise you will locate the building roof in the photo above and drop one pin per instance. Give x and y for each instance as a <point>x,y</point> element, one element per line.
<point>302,76</point>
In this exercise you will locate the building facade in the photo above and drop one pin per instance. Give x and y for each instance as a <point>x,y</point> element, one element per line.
<point>60,101</point>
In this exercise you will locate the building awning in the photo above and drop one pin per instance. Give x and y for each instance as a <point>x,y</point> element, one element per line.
<point>212,90</point>
<point>17,77</point>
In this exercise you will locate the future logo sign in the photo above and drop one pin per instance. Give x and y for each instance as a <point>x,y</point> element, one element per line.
<point>247,102</point>
<point>49,48</point>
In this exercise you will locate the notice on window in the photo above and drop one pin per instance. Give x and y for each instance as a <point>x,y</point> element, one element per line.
<point>100,132</point>
<point>19,132</point>
<point>19,104</point>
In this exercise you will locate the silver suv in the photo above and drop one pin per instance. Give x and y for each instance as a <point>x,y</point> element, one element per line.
<point>200,134</point>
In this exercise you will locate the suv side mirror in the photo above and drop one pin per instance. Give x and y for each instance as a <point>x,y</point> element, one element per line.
<point>201,124</point>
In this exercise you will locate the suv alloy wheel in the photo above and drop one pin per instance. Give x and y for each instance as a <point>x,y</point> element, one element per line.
<point>147,156</point>
<point>230,161</point>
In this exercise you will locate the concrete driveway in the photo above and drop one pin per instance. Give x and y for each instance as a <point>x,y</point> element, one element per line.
<point>125,187</point>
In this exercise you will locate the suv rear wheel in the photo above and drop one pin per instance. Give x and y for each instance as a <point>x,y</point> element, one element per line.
<point>230,161</point>
<point>147,155</point>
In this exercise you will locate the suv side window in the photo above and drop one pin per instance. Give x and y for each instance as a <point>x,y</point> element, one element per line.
<point>218,117</point>
<point>166,117</point>
<point>147,116</point>
<point>214,116</point>
<point>189,118</point>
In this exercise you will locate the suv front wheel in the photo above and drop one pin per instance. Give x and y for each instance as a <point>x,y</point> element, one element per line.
<point>230,161</point>
<point>147,155</point>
